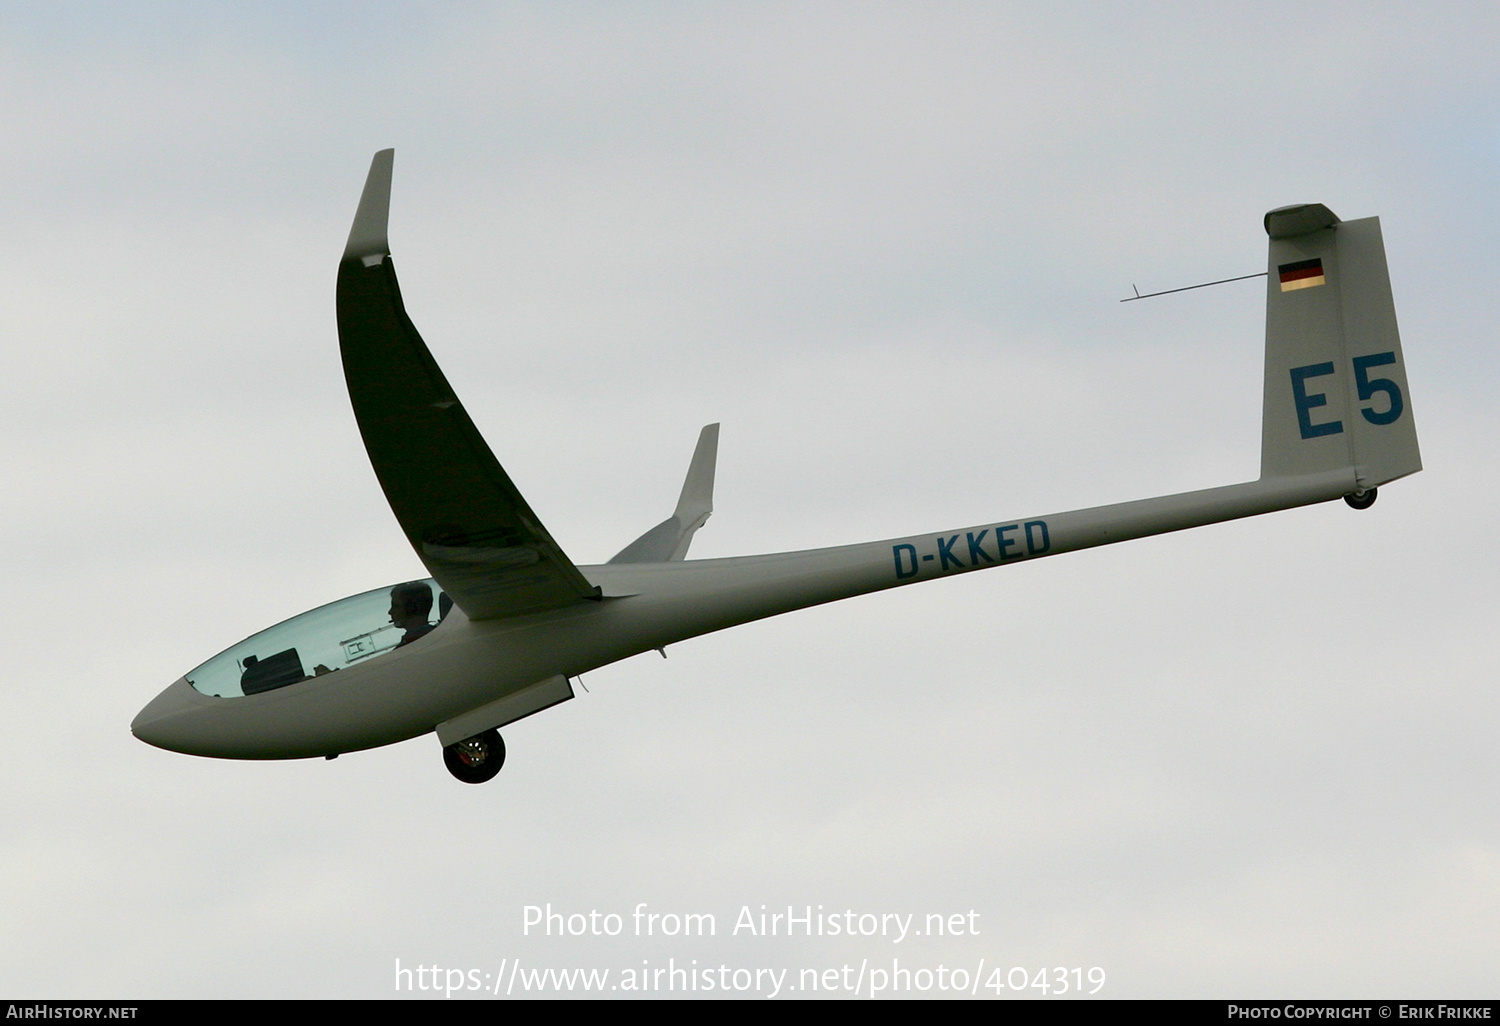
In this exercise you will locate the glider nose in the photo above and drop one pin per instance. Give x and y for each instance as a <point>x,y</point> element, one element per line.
<point>164,722</point>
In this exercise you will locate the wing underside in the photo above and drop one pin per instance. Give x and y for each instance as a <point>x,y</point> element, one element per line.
<point>467,521</point>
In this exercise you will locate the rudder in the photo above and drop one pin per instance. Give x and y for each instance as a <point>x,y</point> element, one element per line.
<point>1335,381</point>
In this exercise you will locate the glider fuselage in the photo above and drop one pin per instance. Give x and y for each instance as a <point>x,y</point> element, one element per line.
<point>464,664</point>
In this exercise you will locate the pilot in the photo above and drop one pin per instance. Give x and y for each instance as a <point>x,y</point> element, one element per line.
<point>410,605</point>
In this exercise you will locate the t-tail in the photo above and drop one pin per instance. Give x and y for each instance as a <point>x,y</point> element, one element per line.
<point>1336,393</point>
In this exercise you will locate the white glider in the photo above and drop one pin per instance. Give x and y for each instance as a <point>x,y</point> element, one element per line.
<point>507,620</point>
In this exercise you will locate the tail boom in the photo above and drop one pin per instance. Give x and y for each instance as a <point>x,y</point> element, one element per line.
<point>664,603</point>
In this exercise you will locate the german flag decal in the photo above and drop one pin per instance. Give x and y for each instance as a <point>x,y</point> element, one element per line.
<point>1304,274</point>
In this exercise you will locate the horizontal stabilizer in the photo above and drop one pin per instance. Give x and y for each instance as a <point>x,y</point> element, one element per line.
<point>668,541</point>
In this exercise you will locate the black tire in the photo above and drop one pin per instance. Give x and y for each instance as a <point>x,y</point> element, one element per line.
<point>476,759</point>
<point>1362,500</point>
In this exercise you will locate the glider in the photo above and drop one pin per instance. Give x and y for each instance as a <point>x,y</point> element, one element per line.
<point>507,621</point>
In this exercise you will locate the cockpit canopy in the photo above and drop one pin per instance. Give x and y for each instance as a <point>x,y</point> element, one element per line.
<point>325,640</point>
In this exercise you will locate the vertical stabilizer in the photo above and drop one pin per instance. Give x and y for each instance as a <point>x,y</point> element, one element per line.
<point>1335,386</point>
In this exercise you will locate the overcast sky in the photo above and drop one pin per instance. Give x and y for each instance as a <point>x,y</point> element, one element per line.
<point>883,245</point>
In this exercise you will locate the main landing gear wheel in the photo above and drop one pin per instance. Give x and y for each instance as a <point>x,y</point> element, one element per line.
<point>476,759</point>
<point>1361,500</point>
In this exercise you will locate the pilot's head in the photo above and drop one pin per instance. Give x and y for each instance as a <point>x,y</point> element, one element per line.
<point>410,604</point>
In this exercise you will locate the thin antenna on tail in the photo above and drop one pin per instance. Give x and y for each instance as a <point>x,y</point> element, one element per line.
<point>1188,288</point>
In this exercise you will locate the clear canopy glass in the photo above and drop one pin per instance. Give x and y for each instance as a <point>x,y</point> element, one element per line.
<point>330,638</point>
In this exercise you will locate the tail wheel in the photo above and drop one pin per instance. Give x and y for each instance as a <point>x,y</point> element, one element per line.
<point>1362,499</point>
<point>476,759</point>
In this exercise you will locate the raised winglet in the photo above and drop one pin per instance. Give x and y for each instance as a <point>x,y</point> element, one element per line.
<point>368,240</point>
<point>668,541</point>
<point>697,499</point>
